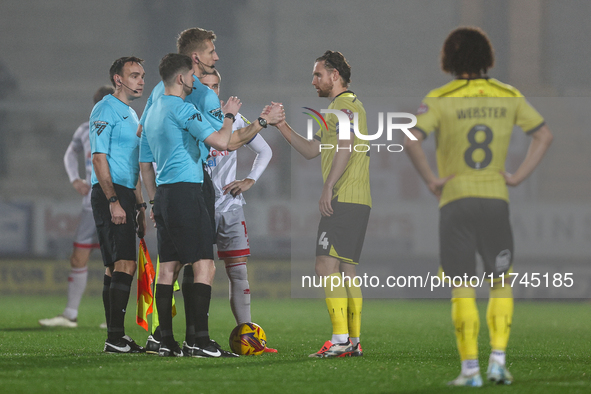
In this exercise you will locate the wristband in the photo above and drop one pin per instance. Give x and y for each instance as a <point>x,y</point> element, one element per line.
<point>152,202</point>
<point>140,206</point>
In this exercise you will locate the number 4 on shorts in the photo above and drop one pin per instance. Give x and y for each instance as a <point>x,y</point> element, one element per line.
<point>323,241</point>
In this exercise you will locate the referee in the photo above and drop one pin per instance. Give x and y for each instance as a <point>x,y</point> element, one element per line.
<point>117,195</point>
<point>174,131</point>
<point>198,45</point>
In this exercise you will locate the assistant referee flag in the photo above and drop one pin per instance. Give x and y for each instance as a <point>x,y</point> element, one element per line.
<point>145,279</point>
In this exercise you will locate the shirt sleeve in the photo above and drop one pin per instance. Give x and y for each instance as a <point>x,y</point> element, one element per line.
<point>192,120</point>
<point>146,155</point>
<point>146,108</point>
<point>527,117</point>
<point>71,155</point>
<point>347,106</point>
<point>264,154</point>
<point>102,122</point>
<point>427,116</point>
<point>213,110</point>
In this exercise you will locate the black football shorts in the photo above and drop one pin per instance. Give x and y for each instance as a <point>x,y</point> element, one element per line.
<point>471,225</point>
<point>341,235</point>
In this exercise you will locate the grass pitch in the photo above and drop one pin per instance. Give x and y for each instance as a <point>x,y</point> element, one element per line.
<point>409,348</point>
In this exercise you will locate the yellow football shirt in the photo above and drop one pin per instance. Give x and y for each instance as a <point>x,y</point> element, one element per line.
<point>353,186</point>
<point>473,120</point>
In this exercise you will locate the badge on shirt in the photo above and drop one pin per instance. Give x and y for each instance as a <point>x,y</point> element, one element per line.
<point>195,115</point>
<point>99,126</point>
<point>349,113</point>
<point>422,109</point>
<point>217,113</point>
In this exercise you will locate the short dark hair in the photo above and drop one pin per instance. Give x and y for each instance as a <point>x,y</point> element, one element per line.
<point>193,39</point>
<point>172,64</point>
<point>117,66</point>
<point>334,60</point>
<point>467,50</point>
<point>102,92</point>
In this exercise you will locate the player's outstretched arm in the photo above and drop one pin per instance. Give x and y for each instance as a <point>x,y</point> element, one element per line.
<point>307,148</point>
<point>273,114</point>
<point>538,146</point>
<point>220,139</point>
<point>103,174</point>
<point>243,135</point>
<point>415,152</point>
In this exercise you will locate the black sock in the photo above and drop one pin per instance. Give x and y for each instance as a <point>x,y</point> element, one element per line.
<point>119,296</point>
<point>189,308</point>
<point>156,335</point>
<point>164,305</point>
<point>106,299</point>
<point>202,297</point>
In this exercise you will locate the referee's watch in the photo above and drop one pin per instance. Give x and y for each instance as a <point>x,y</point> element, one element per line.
<point>262,122</point>
<point>230,115</point>
<point>113,199</point>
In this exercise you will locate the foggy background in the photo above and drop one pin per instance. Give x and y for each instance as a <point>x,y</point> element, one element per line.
<point>55,54</point>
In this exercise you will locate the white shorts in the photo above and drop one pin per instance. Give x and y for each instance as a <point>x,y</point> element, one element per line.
<point>86,237</point>
<point>231,234</point>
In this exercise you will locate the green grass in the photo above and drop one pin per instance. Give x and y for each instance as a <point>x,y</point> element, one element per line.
<point>409,348</point>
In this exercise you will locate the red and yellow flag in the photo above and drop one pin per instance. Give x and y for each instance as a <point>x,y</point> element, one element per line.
<point>145,279</point>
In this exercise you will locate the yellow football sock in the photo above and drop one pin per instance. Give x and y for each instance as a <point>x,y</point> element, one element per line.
<point>466,321</point>
<point>355,303</point>
<point>336,301</point>
<point>499,315</point>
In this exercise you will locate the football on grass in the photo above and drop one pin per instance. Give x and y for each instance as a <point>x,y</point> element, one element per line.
<point>248,339</point>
